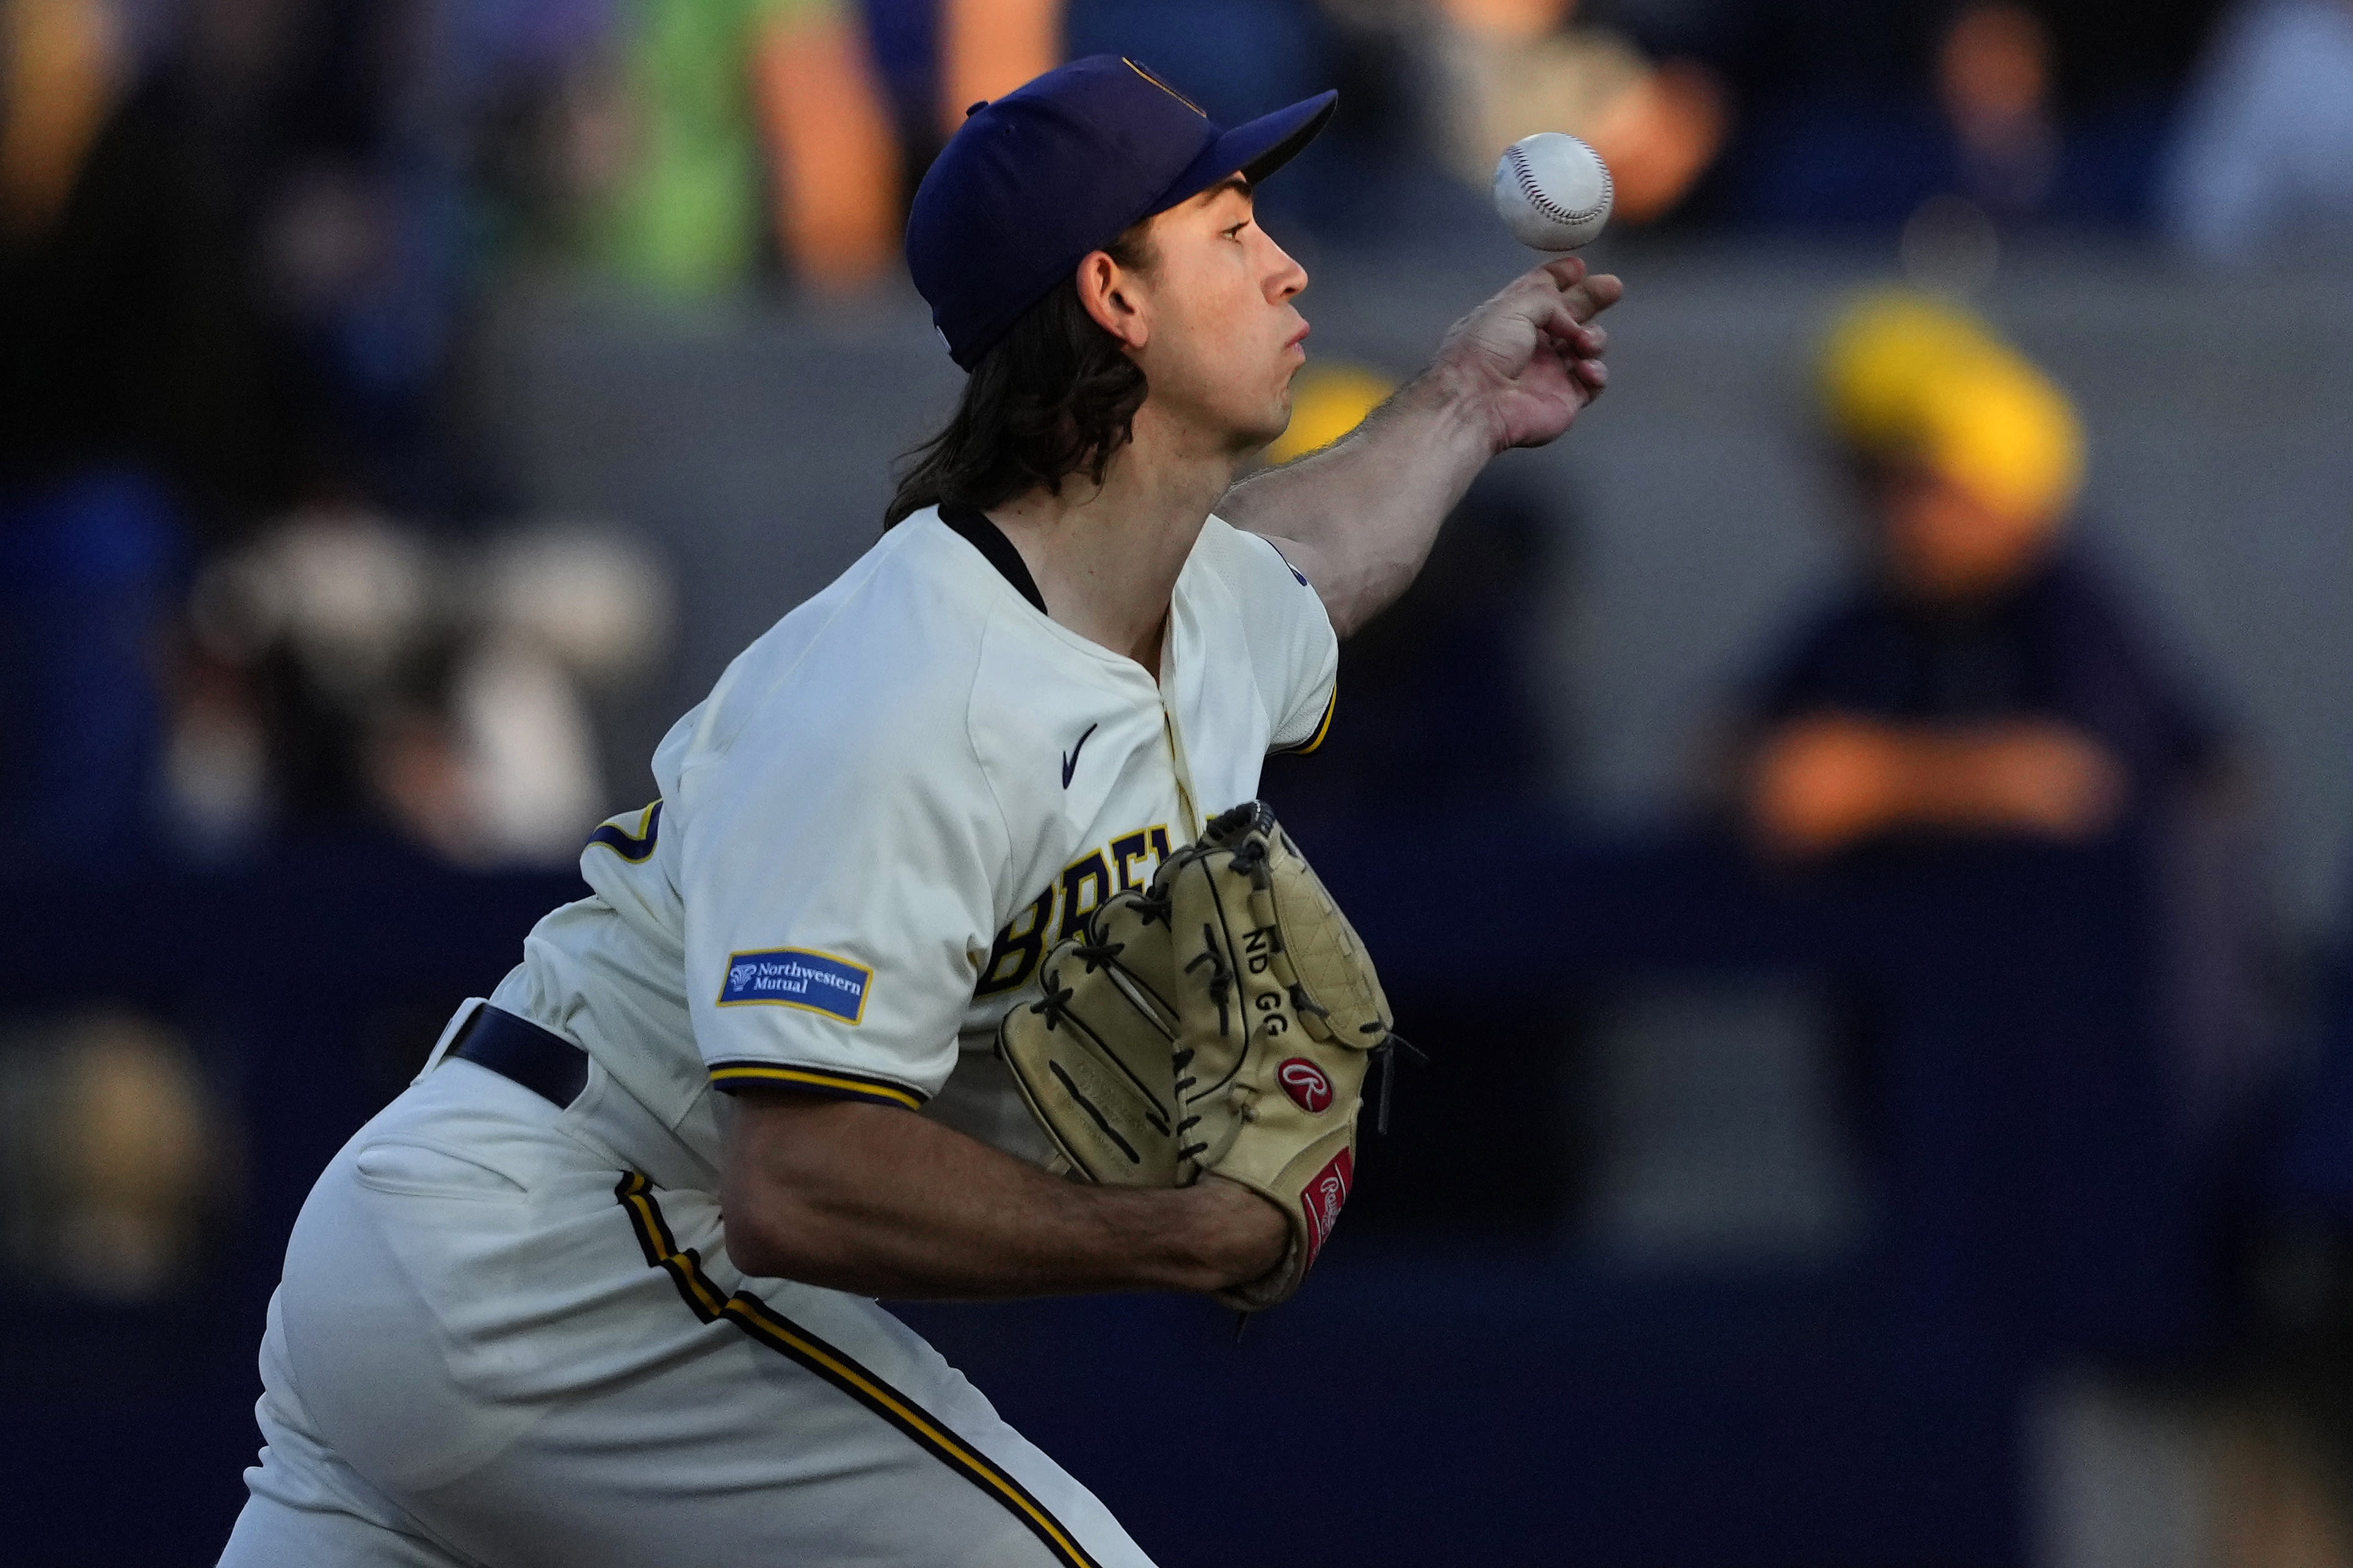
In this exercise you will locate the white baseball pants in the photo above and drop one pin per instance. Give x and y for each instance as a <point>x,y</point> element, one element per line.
<point>498,1343</point>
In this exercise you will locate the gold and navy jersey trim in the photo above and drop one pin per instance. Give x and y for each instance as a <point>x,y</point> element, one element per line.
<point>832,1082</point>
<point>631,847</point>
<point>1322,728</point>
<point>838,1367</point>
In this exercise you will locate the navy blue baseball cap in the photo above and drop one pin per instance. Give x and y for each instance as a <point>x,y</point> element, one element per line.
<point>1060,167</point>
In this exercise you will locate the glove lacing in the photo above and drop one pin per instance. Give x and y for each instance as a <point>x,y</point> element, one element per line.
<point>1220,984</point>
<point>1054,1006</point>
<point>1182,1059</point>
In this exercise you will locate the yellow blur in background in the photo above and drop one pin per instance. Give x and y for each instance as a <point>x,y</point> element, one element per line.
<point>1907,377</point>
<point>1327,401</point>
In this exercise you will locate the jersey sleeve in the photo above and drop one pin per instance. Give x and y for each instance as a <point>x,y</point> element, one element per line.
<point>1294,653</point>
<point>837,899</point>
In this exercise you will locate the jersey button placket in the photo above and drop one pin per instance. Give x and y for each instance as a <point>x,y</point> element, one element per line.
<point>1188,801</point>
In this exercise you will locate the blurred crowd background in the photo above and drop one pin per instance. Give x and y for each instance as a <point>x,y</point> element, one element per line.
<point>1862,828</point>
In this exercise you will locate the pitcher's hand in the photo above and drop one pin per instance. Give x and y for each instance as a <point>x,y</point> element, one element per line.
<point>1527,360</point>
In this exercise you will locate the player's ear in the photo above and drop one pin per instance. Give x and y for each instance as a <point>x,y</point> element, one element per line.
<point>1107,290</point>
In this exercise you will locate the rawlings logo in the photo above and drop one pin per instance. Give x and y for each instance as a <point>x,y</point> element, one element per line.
<point>1322,1200</point>
<point>1305,1083</point>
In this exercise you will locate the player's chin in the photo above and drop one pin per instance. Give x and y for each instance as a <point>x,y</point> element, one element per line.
<point>1268,427</point>
<point>1292,364</point>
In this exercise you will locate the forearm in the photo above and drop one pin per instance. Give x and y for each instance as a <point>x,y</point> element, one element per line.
<point>1819,782</point>
<point>924,1211</point>
<point>1830,780</point>
<point>1938,779</point>
<point>1362,514</point>
<point>2028,775</point>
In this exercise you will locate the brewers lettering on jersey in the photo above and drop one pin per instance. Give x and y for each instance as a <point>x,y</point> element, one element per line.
<point>599,1288</point>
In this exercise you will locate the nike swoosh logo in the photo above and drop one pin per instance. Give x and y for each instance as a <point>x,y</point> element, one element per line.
<point>1071,757</point>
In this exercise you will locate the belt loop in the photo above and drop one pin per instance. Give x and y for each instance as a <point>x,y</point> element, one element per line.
<point>468,1010</point>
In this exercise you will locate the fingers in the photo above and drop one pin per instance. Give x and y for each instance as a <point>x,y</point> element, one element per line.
<point>1555,303</point>
<point>1556,317</point>
<point>1579,347</point>
<point>1595,295</point>
<point>1588,375</point>
<point>1566,273</point>
<point>1587,293</point>
<point>1567,280</point>
<point>1605,289</point>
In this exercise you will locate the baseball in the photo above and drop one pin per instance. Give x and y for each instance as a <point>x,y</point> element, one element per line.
<point>1553,190</point>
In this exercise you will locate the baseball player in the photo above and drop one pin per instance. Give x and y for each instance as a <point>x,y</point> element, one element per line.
<point>598,1287</point>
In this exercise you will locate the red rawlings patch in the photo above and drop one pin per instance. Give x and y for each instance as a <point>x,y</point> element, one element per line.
<point>1305,1083</point>
<point>1322,1198</point>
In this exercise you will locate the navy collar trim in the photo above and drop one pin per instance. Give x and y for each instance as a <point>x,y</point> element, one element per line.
<point>988,538</point>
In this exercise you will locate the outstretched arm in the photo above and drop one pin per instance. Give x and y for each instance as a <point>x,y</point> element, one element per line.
<point>1359,518</point>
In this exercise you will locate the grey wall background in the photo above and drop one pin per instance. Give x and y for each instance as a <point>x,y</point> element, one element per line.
<point>753,444</point>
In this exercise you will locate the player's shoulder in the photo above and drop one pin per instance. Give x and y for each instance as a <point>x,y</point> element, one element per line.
<point>895,636</point>
<point>1250,612</point>
<point>1247,576</point>
<point>1242,557</point>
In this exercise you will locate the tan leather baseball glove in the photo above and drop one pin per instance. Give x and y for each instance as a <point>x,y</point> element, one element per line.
<point>1279,1014</point>
<point>1220,1022</point>
<point>1096,1057</point>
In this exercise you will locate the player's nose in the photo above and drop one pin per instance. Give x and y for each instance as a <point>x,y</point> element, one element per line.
<point>1284,276</point>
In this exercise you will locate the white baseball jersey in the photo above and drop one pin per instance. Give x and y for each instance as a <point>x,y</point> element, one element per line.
<point>511,1331</point>
<point>892,805</point>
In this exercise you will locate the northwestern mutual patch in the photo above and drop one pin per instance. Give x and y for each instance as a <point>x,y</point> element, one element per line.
<point>796,977</point>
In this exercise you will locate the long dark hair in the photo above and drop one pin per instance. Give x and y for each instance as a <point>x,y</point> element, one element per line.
<point>1057,395</point>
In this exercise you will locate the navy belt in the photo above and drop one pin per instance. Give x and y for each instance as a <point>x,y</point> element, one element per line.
<point>544,1062</point>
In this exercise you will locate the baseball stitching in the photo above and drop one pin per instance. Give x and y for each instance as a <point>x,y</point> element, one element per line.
<point>1545,204</point>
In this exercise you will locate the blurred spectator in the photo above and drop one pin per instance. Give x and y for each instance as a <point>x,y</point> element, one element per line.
<point>115,1158</point>
<point>1985,681</point>
<point>343,671</point>
<point>1518,66</point>
<point>934,58</point>
<point>2294,1387</point>
<point>711,91</point>
<point>66,62</point>
<point>86,567</point>
<point>1982,688</point>
<point>1832,96</point>
<point>2263,155</point>
<point>1857,111</point>
<point>1994,83</point>
<point>1237,58</point>
<point>1381,173</point>
<point>989,48</point>
<point>131,383</point>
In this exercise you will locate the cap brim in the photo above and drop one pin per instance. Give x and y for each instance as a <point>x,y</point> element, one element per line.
<point>1254,150</point>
